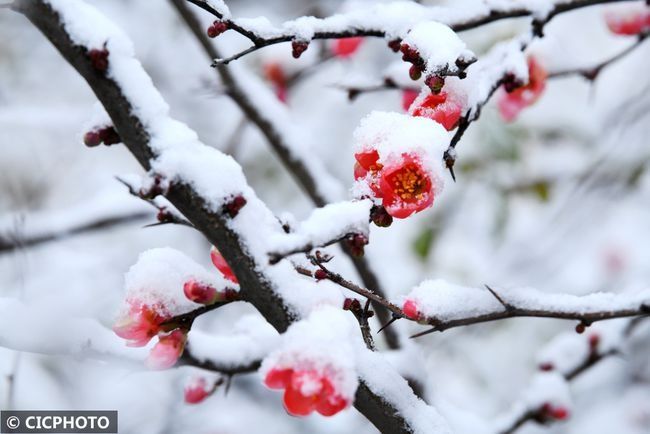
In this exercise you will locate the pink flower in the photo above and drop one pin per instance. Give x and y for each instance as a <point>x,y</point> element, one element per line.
<point>406,187</point>
<point>346,47</point>
<point>274,73</point>
<point>512,102</point>
<point>628,21</point>
<point>220,262</point>
<point>411,310</point>
<point>408,96</point>
<point>167,350</point>
<point>200,292</point>
<point>197,390</point>
<point>140,324</point>
<point>306,391</point>
<point>441,108</point>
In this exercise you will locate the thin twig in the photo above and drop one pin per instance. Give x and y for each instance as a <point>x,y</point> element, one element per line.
<point>370,31</point>
<point>295,166</point>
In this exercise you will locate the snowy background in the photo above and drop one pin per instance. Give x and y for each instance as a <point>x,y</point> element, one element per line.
<point>556,201</point>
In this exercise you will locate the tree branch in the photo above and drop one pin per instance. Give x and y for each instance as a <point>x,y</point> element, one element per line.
<point>354,25</point>
<point>297,167</point>
<point>256,287</point>
<point>11,241</point>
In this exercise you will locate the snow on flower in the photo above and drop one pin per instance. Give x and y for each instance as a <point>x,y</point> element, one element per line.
<point>167,350</point>
<point>444,108</point>
<point>197,389</point>
<point>315,364</point>
<point>513,100</point>
<point>156,290</point>
<point>628,20</point>
<point>399,160</point>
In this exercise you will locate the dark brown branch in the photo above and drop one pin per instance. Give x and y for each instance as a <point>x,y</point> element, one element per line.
<point>186,320</point>
<point>12,241</point>
<point>295,167</point>
<point>517,312</point>
<point>255,288</point>
<point>188,359</point>
<point>275,257</point>
<point>368,31</point>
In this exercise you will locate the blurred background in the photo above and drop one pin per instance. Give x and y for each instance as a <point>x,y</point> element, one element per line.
<point>557,200</point>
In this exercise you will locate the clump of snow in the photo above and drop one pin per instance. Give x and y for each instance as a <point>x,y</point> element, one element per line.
<point>384,381</point>
<point>327,341</point>
<point>438,45</point>
<point>157,280</point>
<point>445,301</point>
<point>250,339</point>
<point>220,6</point>
<point>393,134</point>
<point>549,387</point>
<point>325,225</point>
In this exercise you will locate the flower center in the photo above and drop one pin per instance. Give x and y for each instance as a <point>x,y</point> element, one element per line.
<point>409,184</point>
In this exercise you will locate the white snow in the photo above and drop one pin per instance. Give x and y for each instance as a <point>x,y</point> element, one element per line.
<point>444,301</point>
<point>438,45</point>
<point>250,339</point>
<point>325,225</point>
<point>327,341</point>
<point>157,280</point>
<point>393,134</point>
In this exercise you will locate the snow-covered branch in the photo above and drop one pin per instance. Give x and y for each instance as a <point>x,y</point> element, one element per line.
<point>33,229</point>
<point>563,359</point>
<point>391,21</point>
<point>207,187</point>
<point>258,103</point>
<point>325,226</point>
<point>446,306</point>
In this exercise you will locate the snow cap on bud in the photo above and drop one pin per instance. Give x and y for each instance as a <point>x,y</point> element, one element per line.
<point>167,350</point>
<point>356,243</point>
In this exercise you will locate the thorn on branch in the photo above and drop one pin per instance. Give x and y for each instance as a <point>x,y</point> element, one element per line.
<point>507,306</point>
